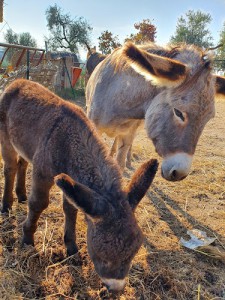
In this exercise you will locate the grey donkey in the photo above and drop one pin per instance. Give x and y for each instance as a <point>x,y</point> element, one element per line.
<point>171,89</point>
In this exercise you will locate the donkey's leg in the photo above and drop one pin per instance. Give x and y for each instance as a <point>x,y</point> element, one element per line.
<point>132,136</point>
<point>37,202</point>
<point>70,227</point>
<point>129,156</point>
<point>114,146</point>
<point>124,144</point>
<point>21,180</point>
<point>9,156</point>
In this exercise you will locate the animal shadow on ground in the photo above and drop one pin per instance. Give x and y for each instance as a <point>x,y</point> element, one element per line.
<point>175,271</point>
<point>160,201</point>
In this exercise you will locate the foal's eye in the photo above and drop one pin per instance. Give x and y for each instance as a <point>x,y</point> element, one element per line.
<point>106,263</point>
<point>179,114</point>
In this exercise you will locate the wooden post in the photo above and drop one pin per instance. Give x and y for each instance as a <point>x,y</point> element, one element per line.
<point>28,64</point>
<point>1,10</point>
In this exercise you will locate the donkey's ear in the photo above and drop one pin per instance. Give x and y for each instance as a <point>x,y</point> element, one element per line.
<point>160,70</point>
<point>141,182</point>
<point>220,86</point>
<point>81,197</point>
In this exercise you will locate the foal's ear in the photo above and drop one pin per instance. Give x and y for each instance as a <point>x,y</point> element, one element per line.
<point>160,70</point>
<point>141,182</point>
<point>81,196</point>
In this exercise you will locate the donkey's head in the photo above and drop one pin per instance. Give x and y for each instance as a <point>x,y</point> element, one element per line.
<point>175,118</point>
<point>113,235</point>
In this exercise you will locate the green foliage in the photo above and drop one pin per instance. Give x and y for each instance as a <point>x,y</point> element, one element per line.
<point>220,53</point>
<point>192,29</point>
<point>108,42</point>
<point>65,32</point>
<point>70,93</point>
<point>76,96</point>
<point>24,38</point>
<point>146,32</point>
<point>11,37</point>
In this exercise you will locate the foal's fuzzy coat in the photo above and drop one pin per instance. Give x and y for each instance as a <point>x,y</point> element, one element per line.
<point>37,126</point>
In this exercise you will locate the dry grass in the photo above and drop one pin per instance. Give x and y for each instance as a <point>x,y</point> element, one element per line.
<point>162,269</point>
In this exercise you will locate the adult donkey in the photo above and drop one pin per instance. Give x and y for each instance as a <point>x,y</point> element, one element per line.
<point>172,88</point>
<point>93,59</point>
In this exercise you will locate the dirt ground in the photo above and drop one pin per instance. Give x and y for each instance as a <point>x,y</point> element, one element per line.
<point>163,268</point>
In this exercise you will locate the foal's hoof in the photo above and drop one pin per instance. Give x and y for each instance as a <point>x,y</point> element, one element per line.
<point>76,259</point>
<point>72,250</point>
<point>22,199</point>
<point>5,210</point>
<point>27,242</point>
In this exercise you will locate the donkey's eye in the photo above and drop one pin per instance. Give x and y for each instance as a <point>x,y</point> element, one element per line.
<point>179,114</point>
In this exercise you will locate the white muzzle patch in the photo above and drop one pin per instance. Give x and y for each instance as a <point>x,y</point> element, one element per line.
<point>114,284</point>
<point>177,166</point>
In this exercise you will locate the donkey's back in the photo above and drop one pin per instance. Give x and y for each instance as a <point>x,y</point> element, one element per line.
<point>29,115</point>
<point>39,127</point>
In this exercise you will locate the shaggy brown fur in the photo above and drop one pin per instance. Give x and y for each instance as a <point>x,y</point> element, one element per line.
<point>37,126</point>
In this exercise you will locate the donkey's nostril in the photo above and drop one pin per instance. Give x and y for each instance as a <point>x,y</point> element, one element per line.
<point>174,175</point>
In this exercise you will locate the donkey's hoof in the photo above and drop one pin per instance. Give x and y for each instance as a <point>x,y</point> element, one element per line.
<point>129,166</point>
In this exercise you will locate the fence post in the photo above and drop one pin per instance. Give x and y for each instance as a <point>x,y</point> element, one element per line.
<point>28,64</point>
<point>67,72</point>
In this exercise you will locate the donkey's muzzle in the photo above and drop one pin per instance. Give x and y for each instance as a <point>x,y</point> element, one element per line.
<point>176,167</point>
<point>114,285</point>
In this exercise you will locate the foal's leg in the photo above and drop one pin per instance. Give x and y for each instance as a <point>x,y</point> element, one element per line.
<point>9,156</point>
<point>70,227</point>
<point>38,201</point>
<point>21,180</point>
